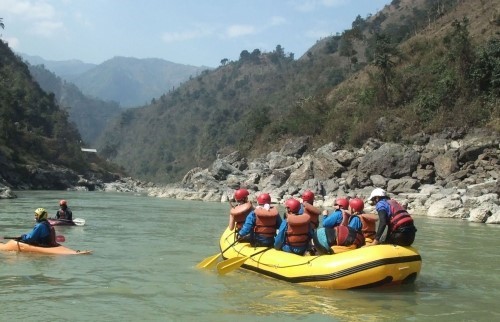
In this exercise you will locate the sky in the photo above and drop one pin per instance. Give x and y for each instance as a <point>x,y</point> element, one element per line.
<point>190,32</point>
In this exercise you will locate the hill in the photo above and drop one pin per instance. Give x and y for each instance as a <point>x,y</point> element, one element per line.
<point>39,148</point>
<point>66,69</point>
<point>416,66</point>
<point>90,115</point>
<point>131,81</point>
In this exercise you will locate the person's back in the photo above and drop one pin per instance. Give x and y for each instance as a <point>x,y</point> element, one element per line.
<point>295,232</point>
<point>42,234</point>
<point>262,222</point>
<point>309,209</point>
<point>335,218</point>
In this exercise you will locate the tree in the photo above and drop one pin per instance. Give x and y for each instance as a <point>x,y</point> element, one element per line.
<point>224,61</point>
<point>1,23</point>
<point>384,56</point>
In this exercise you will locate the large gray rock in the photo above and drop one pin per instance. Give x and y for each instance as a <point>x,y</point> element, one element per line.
<point>391,160</point>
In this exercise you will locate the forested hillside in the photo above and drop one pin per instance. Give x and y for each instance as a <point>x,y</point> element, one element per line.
<point>416,66</point>
<point>90,115</point>
<point>35,134</point>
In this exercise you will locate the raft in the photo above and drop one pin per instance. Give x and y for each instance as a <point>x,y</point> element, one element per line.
<point>15,246</point>
<point>365,267</point>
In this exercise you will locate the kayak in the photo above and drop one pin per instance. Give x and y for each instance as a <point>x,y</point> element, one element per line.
<point>365,267</point>
<point>60,222</point>
<point>66,222</point>
<point>15,246</point>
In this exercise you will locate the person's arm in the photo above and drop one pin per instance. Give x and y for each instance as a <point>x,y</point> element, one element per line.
<point>34,235</point>
<point>231,222</point>
<point>58,215</point>
<point>356,223</point>
<point>333,219</point>
<point>382,216</point>
<point>69,214</point>
<point>248,225</point>
<point>279,240</point>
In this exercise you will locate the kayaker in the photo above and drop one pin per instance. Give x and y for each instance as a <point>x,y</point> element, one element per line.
<point>64,212</point>
<point>261,223</point>
<point>325,238</point>
<point>400,227</point>
<point>42,234</point>
<point>307,204</point>
<point>295,232</point>
<point>239,213</point>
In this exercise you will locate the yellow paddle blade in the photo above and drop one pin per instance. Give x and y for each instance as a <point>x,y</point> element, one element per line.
<point>208,262</point>
<point>231,264</point>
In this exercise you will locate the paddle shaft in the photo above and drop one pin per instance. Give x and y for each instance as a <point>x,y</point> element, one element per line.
<point>209,261</point>
<point>233,263</point>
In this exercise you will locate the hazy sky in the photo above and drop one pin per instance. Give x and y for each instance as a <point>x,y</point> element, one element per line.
<point>192,32</point>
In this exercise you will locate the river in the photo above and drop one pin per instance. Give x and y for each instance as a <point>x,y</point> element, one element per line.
<point>143,268</point>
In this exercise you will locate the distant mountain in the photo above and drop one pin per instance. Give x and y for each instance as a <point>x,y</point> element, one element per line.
<point>134,82</point>
<point>65,69</point>
<point>90,115</point>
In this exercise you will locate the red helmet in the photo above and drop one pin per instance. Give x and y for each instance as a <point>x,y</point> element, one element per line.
<point>342,202</point>
<point>293,205</point>
<point>241,194</point>
<point>357,205</point>
<point>263,199</point>
<point>63,203</point>
<point>308,196</point>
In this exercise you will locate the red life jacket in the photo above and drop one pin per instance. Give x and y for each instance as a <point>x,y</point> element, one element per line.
<point>347,236</point>
<point>240,213</point>
<point>265,221</point>
<point>50,241</point>
<point>61,213</point>
<point>369,224</point>
<point>313,212</point>
<point>399,217</point>
<point>297,233</point>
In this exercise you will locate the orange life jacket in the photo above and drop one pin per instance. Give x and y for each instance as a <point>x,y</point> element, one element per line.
<point>313,212</point>
<point>399,217</point>
<point>297,233</point>
<point>265,221</point>
<point>240,213</point>
<point>368,223</point>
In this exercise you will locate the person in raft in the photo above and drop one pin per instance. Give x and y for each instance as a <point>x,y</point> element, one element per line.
<point>368,221</point>
<point>262,223</point>
<point>64,212</point>
<point>295,233</point>
<point>400,227</point>
<point>43,234</point>
<point>325,238</point>
<point>335,218</point>
<point>239,213</point>
<point>307,205</point>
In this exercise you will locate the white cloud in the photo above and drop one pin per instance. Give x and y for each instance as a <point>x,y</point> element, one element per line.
<point>277,20</point>
<point>170,37</point>
<point>311,5</point>
<point>28,9</point>
<point>240,30</point>
<point>47,28</point>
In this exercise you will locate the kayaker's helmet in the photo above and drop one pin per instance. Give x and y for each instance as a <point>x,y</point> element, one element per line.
<point>264,198</point>
<point>356,204</point>
<point>40,214</point>
<point>292,205</point>
<point>241,194</point>
<point>63,203</point>
<point>342,203</point>
<point>308,196</point>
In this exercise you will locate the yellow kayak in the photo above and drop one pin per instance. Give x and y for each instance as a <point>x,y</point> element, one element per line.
<point>365,267</point>
<point>15,246</point>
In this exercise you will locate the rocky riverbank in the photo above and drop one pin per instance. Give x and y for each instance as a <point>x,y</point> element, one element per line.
<point>453,174</point>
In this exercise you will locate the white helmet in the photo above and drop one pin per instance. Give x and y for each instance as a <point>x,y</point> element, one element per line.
<point>377,192</point>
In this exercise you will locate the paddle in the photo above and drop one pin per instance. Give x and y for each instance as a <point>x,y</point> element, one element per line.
<point>210,261</point>
<point>59,238</point>
<point>231,264</point>
<point>79,221</point>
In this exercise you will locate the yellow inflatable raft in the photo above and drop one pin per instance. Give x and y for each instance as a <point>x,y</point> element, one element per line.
<point>359,268</point>
<point>15,246</point>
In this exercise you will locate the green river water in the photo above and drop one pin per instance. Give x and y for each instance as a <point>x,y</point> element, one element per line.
<point>146,249</point>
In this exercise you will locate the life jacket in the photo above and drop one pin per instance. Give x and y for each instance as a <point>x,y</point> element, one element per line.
<point>61,213</point>
<point>50,240</point>
<point>313,212</point>
<point>369,225</point>
<point>297,233</point>
<point>398,217</point>
<point>240,213</point>
<point>265,221</point>
<point>347,236</point>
